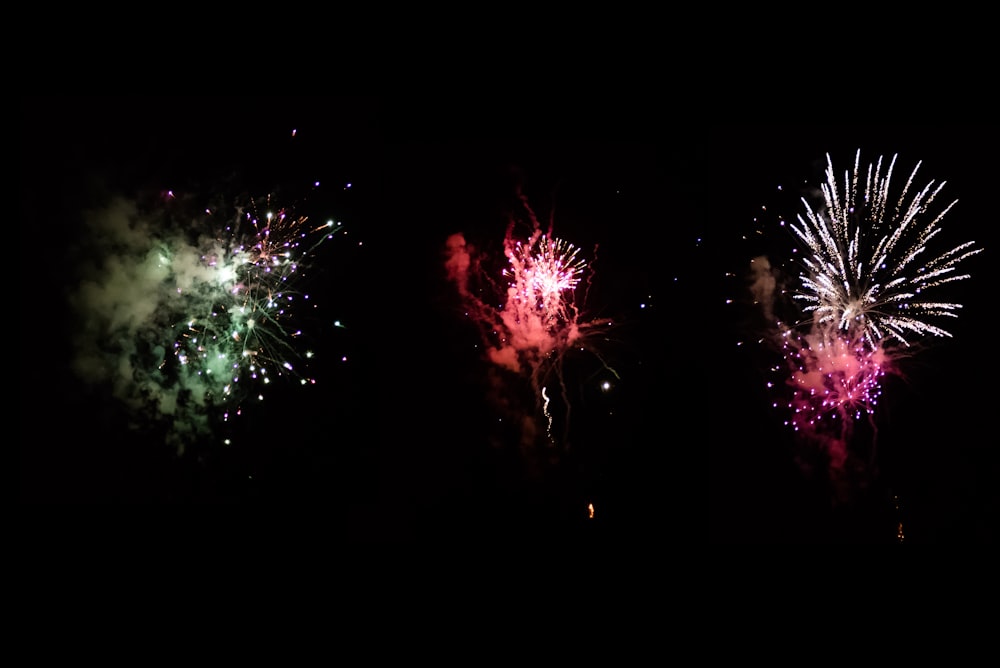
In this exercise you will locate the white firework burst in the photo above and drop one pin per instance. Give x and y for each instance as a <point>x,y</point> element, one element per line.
<point>868,265</point>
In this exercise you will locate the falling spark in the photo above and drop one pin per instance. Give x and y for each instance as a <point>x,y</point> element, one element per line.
<point>548,415</point>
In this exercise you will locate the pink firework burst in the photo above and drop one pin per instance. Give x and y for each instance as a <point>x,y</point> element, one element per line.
<point>530,319</point>
<point>834,382</point>
<point>540,312</point>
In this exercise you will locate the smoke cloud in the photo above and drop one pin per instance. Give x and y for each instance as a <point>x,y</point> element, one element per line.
<point>181,314</point>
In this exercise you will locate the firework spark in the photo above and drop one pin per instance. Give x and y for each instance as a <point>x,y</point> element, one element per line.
<point>186,320</point>
<point>863,284</point>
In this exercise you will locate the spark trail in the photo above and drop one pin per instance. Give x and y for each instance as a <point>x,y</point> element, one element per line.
<point>860,303</point>
<point>530,318</point>
<point>187,315</point>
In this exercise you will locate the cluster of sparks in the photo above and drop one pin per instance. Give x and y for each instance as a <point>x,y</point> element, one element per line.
<point>540,275</point>
<point>246,336</point>
<point>834,382</point>
<point>866,269</point>
<point>185,324</point>
<point>540,313</point>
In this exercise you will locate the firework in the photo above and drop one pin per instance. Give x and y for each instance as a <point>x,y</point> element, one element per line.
<point>540,313</point>
<point>531,318</point>
<point>187,316</point>
<point>863,287</point>
<point>869,268</point>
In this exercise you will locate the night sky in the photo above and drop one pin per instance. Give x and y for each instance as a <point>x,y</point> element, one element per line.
<point>402,441</point>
